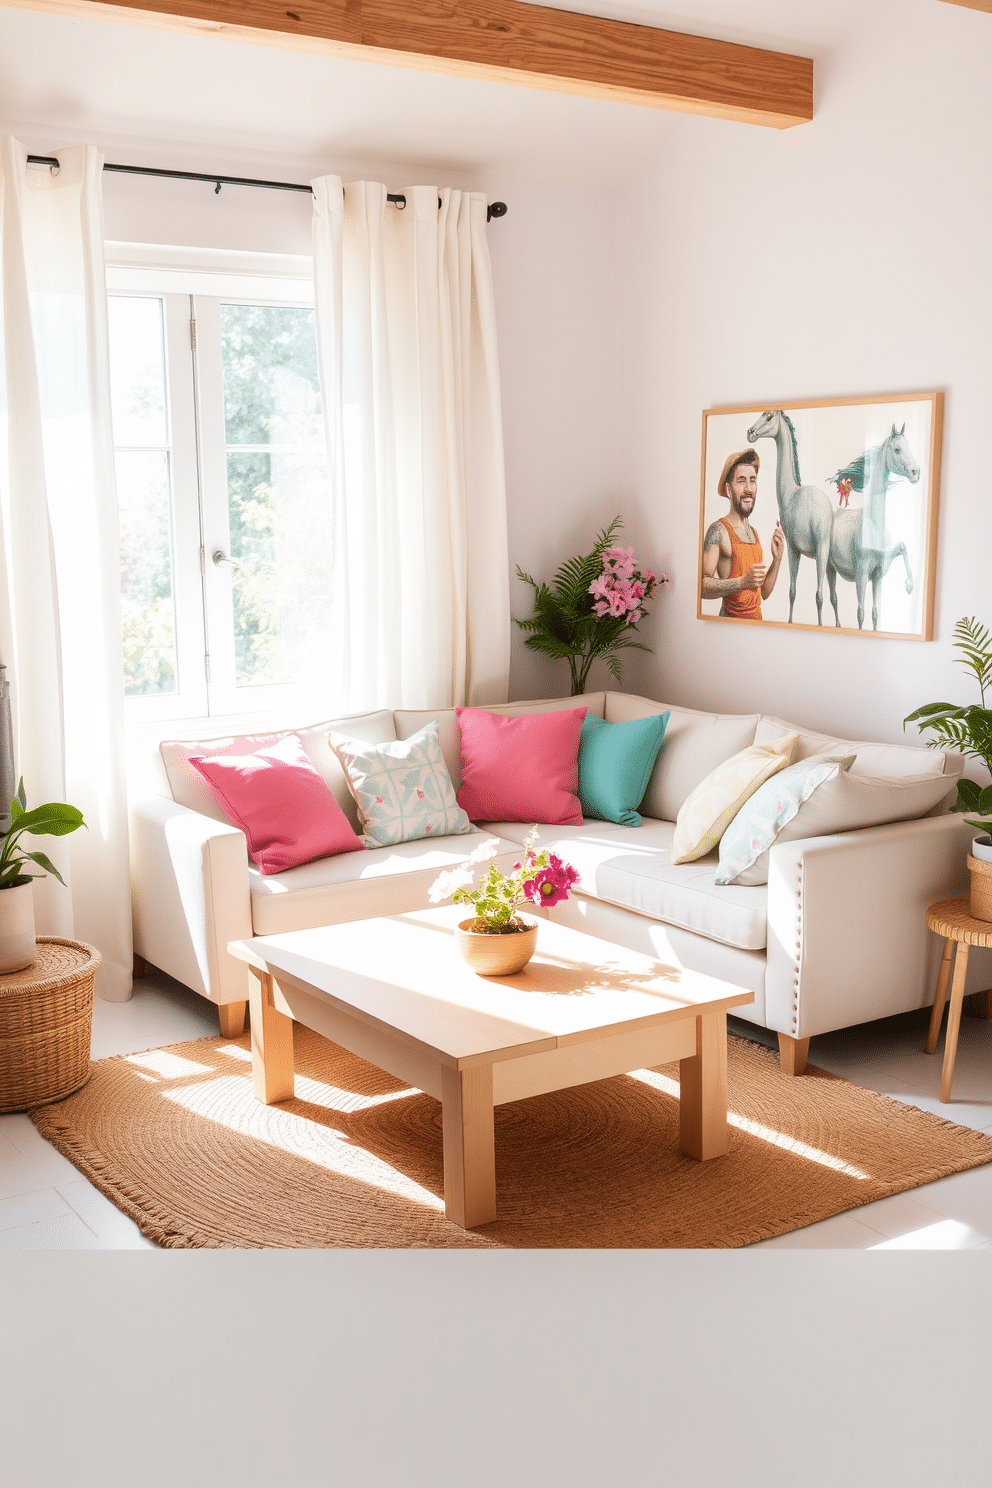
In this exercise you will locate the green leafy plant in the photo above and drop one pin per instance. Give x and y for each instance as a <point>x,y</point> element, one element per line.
<point>967,730</point>
<point>590,607</point>
<point>51,820</point>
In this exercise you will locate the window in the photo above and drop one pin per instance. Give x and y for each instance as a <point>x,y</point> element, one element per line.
<point>222,489</point>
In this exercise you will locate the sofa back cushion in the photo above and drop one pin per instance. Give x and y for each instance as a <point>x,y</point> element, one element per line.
<point>890,760</point>
<point>695,743</point>
<point>410,720</point>
<point>190,789</point>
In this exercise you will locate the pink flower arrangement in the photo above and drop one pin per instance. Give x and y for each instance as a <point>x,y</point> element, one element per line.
<point>540,877</point>
<point>623,589</point>
<point>591,606</point>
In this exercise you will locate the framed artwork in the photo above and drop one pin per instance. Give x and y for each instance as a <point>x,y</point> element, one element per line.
<point>822,515</point>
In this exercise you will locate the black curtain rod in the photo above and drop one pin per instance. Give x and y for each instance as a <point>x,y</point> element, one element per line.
<point>494,209</point>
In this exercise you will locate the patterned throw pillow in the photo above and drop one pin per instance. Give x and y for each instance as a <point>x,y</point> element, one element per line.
<point>402,789</point>
<point>745,843</point>
<point>717,799</point>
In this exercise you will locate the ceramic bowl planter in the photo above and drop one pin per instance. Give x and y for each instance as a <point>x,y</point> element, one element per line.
<point>17,944</point>
<point>498,953</point>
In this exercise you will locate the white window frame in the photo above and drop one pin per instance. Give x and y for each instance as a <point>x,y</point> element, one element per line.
<point>192,283</point>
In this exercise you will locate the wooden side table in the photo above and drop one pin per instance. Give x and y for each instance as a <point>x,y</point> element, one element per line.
<point>46,1013</point>
<point>951,919</point>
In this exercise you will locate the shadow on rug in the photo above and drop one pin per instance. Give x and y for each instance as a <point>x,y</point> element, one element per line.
<point>176,1139</point>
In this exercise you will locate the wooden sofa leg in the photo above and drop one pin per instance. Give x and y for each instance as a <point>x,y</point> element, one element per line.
<point>980,1004</point>
<point>139,966</point>
<point>232,1018</point>
<point>792,1053</point>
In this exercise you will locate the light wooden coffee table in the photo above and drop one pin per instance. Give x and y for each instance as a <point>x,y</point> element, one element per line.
<point>396,992</point>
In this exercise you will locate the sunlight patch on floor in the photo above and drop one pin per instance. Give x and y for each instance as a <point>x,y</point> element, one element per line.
<point>947,1234</point>
<point>167,1066</point>
<point>765,1133</point>
<point>228,1102</point>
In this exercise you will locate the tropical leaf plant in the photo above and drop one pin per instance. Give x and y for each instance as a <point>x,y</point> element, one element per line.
<point>54,819</point>
<point>568,623</point>
<point>965,729</point>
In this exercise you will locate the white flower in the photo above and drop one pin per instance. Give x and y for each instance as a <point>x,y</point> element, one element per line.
<point>446,883</point>
<point>488,849</point>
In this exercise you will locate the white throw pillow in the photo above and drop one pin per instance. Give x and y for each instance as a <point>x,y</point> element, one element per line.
<point>716,800</point>
<point>817,798</point>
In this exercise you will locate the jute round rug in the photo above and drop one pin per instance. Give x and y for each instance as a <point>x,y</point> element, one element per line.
<point>176,1139</point>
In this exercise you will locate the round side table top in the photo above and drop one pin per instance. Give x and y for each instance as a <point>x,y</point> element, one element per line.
<point>56,963</point>
<point>951,917</point>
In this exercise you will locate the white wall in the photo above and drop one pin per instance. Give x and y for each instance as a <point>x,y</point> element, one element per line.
<point>861,266</point>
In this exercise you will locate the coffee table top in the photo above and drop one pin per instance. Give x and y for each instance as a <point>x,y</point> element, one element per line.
<point>404,974</point>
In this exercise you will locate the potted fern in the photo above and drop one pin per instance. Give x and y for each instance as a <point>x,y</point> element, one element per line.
<point>968,730</point>
<point>590,608</point>
<point>54,819</point>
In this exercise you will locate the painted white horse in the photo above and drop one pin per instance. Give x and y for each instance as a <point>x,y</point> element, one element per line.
<point>859,544</point>
<point>805,512</point>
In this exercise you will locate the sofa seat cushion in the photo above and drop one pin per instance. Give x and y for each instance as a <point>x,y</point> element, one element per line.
<point>632,867</point>
<point>357,886</point>
<point>869,758</point>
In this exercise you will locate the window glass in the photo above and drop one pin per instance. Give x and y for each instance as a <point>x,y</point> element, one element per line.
<point>277,493</point>
<point>144,494</point>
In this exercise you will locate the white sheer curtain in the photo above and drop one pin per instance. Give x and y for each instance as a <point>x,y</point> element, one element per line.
<point>406,333</point>
<point>60,629</point>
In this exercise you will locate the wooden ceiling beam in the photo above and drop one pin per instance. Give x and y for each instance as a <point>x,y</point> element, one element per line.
<point>985,5</point>
<point>504,41</point>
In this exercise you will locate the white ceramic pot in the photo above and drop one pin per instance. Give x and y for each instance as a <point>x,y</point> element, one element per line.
<point>981,849</point>
<point>17,947</point>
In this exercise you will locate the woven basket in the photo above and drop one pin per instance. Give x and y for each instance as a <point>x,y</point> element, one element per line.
<point>46,1015</point>
<point>981,888</point>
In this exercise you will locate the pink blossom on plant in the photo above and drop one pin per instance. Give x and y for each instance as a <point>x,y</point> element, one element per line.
<point>633,617</point>
<point>552,884</point>
<point>601,607</point>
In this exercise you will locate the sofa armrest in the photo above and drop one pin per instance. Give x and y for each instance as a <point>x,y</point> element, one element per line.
<point>190,896</point>
<point>847,934</point>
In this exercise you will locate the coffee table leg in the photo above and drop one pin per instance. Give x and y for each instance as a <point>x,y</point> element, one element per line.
<point>469,1145</point>
<point>271,1043</point>
<point>954,1020</point>
<point>703,1093</point>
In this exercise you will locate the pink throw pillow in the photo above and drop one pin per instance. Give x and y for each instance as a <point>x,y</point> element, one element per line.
<point>282,804</point>
<point>522,769</point>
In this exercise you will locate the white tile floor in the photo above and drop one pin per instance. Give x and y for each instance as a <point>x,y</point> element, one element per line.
<point>46,1204</point>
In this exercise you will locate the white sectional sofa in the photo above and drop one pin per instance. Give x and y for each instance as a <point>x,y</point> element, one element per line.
<point>836,937</point>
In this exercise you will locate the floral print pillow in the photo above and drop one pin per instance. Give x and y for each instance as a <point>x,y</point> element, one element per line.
<point>744,845</point>
<point>402,789</point>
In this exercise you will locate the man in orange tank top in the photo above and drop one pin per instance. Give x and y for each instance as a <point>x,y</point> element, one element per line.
<point>734,570</point>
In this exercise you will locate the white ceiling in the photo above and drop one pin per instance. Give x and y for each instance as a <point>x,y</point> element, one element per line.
<point>199,102</point>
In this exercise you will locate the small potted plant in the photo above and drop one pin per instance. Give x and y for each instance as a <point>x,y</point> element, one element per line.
<point>591,608</point>
<point>497,941</point>
<point>17,942</point>
<point>969,731</point>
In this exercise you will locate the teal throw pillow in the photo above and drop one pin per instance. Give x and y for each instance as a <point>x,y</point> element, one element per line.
<point>615,764</point>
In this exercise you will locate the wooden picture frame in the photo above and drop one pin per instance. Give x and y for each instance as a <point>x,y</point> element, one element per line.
<point>858,525</point>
